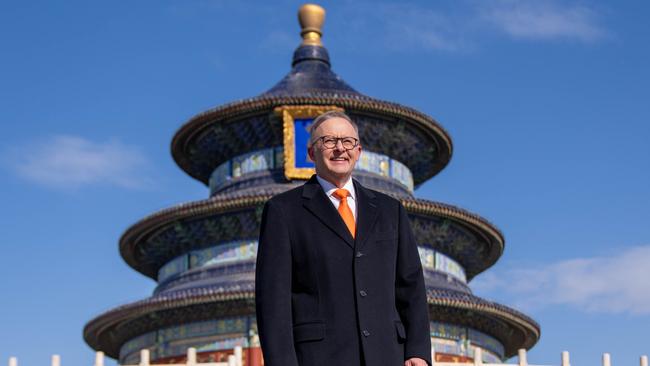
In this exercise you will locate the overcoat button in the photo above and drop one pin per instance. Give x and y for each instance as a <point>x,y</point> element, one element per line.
<point>362,293</point>
<point>359,254</point>
<point>366,333</point>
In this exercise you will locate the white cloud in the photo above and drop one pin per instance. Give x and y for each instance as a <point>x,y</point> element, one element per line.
<point>406,26</point>
<point>543,19</point>
<point>72,161</point>
<point>400,26</point>
<point>614,284</point>
<point>461,26</point>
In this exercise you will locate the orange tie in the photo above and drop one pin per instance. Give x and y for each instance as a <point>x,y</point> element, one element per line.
<point>344,209</point>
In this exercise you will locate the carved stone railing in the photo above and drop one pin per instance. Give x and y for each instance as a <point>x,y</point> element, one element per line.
<point>523,360</point>
<point>237,360</point>
<point>145,360</point>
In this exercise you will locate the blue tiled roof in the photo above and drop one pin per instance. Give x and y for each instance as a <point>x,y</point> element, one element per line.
<point>311,75</point>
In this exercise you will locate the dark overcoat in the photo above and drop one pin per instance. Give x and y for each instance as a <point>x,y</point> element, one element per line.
<point>326,298</point>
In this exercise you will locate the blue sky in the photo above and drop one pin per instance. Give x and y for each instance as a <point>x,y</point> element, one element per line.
<point>546,101</point>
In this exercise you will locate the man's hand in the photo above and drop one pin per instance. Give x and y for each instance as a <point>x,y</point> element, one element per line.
<point>415,362</point>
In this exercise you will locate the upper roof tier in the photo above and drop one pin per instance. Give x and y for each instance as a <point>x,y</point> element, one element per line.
<point>220,134</point>
<point>311,71</point>
<point>311,74</point>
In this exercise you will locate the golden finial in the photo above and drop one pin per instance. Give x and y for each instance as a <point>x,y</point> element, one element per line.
<point>311,18</point>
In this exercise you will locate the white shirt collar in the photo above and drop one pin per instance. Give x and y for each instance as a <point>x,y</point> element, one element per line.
<point>329,188</point>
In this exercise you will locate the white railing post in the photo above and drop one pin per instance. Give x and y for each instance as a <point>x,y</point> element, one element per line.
<point>238,356</point>
<point>523,359</point>
<point>13,361</point>
<point>565,358</point>
<point>644,360</point>
<point>478,356</point>
<point>232,361</point>
<point>56,360</point>
<point>144,357</point>
<point>191,356</point>
<point>606,360</point>
<point>433,356</point>
<point>99,358</point>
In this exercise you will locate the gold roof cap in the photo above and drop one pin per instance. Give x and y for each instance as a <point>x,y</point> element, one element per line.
<point>311,18</point>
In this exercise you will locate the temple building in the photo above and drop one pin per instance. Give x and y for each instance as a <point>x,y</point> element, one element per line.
<point>202,254</point>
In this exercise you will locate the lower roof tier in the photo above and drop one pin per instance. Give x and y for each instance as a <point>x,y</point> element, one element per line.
<point>111,330</point>
<point>159,238</point>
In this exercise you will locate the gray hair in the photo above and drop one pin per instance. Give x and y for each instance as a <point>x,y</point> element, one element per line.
<point>329,115</point>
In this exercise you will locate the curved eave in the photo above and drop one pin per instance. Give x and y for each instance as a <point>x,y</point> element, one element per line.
<point>133,239</point>
<point>133,236</point>
<point>485,230</point>
<point>100,333</point>
<point>528,329</point>
<point>182,141</point>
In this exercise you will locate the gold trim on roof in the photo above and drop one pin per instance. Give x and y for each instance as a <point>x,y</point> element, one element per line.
<point>289,114</point>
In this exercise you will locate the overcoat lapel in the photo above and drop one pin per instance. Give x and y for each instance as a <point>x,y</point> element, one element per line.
<point>316,202</point>
<point>366,212</point>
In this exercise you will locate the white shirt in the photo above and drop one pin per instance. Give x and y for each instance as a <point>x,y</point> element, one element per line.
<point>330,188</point>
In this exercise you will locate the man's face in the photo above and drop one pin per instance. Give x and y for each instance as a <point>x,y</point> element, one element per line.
<point>335,164</point>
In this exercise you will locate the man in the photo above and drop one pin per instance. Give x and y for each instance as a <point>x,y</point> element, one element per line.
<point>338,277</point>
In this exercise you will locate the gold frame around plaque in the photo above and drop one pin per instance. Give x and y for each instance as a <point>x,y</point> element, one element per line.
<point>288,114</point>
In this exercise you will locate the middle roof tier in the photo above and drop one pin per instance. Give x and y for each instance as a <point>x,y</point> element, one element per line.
<point>154,241</point>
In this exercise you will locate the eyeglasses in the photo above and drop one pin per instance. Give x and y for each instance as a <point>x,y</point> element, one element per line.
<point>330,142</point>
